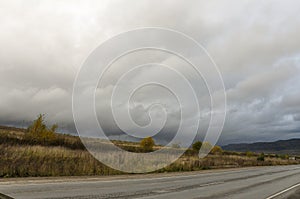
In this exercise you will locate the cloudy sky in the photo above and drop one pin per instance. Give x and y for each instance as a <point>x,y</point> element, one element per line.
<point>256,45</point>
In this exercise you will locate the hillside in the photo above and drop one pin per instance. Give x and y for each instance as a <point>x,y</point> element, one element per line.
<point>64,155</point>
<point>17,136</point>
<point>291,147</point>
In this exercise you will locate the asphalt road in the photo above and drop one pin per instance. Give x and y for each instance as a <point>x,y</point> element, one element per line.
<point>258,182</point>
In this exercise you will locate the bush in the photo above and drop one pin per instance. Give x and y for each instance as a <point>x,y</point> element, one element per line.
<point>147,144</point>
<point>284,157</point>
<point>261,157</point>
<point>197,146</point>
<point>216,150</point>
<point>249,154</point>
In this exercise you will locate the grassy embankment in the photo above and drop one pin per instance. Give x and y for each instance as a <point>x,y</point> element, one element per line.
<point>64,155</point>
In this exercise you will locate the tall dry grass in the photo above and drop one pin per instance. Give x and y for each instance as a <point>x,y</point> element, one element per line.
<point>26,160</point>
<point>65,155</point>
<point>23,161</point>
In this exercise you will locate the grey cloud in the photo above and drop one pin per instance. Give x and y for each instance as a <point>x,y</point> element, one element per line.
<point>254,43</point>
<point>296,117</point>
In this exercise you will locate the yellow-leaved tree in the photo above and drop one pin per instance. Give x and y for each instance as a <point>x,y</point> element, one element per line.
<point>39,132</point>
<point>147,144</point>
<point>217,150</point>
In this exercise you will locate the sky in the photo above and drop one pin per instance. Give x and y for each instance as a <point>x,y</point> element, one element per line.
<point>255,44</point>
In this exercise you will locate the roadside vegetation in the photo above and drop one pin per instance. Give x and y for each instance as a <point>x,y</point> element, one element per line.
<point>40,151</point>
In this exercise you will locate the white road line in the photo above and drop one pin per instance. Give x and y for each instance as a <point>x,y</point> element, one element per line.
<point>284,191</point>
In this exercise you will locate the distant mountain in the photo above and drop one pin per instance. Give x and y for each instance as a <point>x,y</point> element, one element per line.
<point>291,146</point>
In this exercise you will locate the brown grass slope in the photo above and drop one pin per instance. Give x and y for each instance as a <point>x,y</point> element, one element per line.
<point>64,155</point>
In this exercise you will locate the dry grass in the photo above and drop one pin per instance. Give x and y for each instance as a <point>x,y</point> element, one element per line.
<point>223,161</point>
<point>66,156</point>
<point>23,161</point>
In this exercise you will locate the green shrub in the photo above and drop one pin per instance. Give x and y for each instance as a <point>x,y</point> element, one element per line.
<point>261,157</point>
<point>197,146</point>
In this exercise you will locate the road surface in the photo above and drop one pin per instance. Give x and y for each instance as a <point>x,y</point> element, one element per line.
<point>255,182</point>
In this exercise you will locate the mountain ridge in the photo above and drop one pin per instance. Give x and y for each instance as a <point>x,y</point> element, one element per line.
<point>290,146</point>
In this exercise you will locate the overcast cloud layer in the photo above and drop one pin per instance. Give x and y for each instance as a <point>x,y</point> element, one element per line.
<point>256,45</point>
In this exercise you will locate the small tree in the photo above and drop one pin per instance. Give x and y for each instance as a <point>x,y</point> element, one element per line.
<point>216,150</point>
<point>38,130</point>
<point>197,146</point>
<point>147,144</point>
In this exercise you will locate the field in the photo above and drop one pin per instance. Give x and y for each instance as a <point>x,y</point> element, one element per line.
<point>64,155</point>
